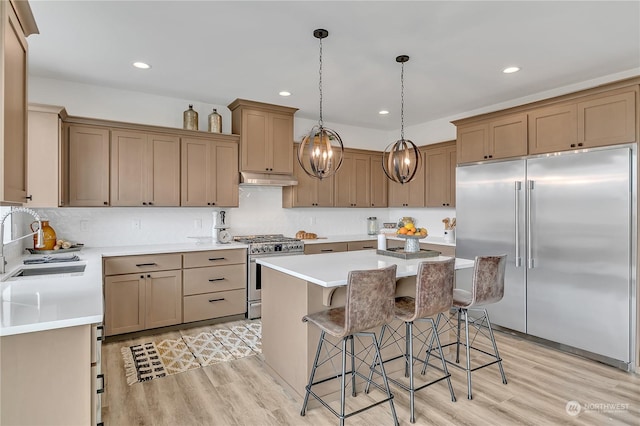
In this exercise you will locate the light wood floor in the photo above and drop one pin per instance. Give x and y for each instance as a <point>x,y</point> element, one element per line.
<point>240,392</point>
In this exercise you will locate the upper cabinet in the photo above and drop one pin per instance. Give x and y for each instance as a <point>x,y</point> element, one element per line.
<point>493,139</point>
<point>47,176</point>
<point>353,181</point>
<point>604,115</point>
<point>87,148</point>
<point>378,182</point>
<point>309,192</point>
<point>17,24</point>
<point>266,136</point>
<point>440,169</point>
<point>210,171</point>
<point>145,169</point>
<point>409,194</point>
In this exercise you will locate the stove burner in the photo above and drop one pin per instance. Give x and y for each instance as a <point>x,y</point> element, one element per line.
<point>272,244</point>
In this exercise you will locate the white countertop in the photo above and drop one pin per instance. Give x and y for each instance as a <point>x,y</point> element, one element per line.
<point>332,269</point>
<point>50,302</point>
<point>365,237</point>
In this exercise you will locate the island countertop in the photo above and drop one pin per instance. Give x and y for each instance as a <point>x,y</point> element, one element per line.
<point>332,269</point>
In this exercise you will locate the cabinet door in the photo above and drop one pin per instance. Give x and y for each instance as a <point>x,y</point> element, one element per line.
<point>438,180</point>
<point>325,192</point>
<point>553,129</point>
<point>45,165</point>
<point>255,153</point>
<point>225,174</point>
<point>281,143</point>
<point>304,194</point>
<point>508,137</point>
<point>194,173</point>
<point>398,194</point>
<point>452,150</point>
<point>13,64</point>
<point>378,182</point>
<point>344,182</point>
<point>124,301</point>
<point>361,182</point>
<point>163,170</point>
<point>129,173</point>
<point>415,188</point>
<point>325,248</point>
<point>88,166</point>
<point>608,119</point>
<point>163,299</point>
<point>472,142</point>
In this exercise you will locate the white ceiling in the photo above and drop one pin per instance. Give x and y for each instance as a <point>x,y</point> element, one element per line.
<point>216,51</point>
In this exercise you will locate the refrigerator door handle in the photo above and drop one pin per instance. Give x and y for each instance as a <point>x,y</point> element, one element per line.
<point>518,188</point>
<point>529,220</point>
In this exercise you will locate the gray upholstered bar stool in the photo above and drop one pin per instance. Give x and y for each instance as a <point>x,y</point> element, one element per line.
<point>434,294</point>
<point>487,288</point>
<point>369,303</point>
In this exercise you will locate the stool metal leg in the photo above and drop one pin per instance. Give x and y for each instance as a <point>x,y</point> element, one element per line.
<point>342,379</point>
<point>458,337</point>
<point>434,326</point>
<point>466,335</point>
<point>353,369</point>
<point>412,388</point>
<point>373,365</point>
<point>313,373</point>
<point>408,331</point>
<point>495,347</point>
<point>385,380</point>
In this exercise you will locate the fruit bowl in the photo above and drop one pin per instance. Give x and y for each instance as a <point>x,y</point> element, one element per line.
<point>411,244</point>
<point>409,237</point>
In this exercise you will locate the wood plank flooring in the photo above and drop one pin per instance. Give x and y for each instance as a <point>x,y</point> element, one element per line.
<point>240,392</point>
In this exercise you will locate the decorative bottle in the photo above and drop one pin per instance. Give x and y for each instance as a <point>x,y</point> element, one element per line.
<point>49,235</point>
<point>215,122</point>
<point>190,119</point>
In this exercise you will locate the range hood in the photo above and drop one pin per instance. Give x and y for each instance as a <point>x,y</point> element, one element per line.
<point>266,179</point>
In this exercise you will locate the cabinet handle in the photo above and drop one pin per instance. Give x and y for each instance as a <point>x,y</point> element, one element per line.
<point>213,259</point>
<point>216,279</point>
<point>216,300</point>
<point>106,203</point>
<point>29,198</point>
<point>100,333</point>
<point>580,144</point>
<point>485,157</point>
<point>326,249</point>
<point>141,276</point>
<point>369,247</point>
<point>150,203</point>
<point>573,145</point>
<point>101,388</point>
<point>139,265</point>
<point>144,203</point>
<point>148,276</point>
<point>491,156</point>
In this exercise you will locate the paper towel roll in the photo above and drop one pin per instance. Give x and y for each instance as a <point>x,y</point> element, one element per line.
<point>382,242</point>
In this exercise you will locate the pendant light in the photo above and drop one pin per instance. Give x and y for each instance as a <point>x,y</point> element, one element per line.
<point>401,159</point>
<point>320,152</point>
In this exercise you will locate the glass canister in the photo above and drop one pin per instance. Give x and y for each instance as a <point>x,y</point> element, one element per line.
<point>215,122</point>
<point>190,119</point>
<point>49,235</point>
<point>372,225</point>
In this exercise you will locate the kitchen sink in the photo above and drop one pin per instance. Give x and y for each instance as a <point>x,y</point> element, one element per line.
<point>26,272</point>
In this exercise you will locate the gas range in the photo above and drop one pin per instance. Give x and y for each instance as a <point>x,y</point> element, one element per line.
<point>271,245</point>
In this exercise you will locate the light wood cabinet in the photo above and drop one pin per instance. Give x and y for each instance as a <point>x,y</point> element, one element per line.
<point>266,136</point>
<point>310,192</point>
<point>608,118</point>
<point>17,23</point>
<point>444,250</point>
<point>214,284</point>
<point>47,174</point>
<point>498,138</point>
<point>409,194</point>
<point>362,245</point>
<point>325,248</point>
<point>353,181</point>
<point>440,169</point>
<point>145,169</point>
<point>142,292</point>
<point>209,172</point>
<point>88,165</point>
<point>553,128</point>
<point>378,182</point>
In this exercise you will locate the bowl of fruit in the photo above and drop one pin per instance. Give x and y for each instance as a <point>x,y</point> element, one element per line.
<point>411,234</point>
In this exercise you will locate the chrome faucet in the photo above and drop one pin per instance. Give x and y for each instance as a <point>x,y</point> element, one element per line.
<point>39,233</point>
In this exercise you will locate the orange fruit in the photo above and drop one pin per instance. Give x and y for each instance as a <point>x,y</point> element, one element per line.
<point>410,232</point>
<point>402,231</point>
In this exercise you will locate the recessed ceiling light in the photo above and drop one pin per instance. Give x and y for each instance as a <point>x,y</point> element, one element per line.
<point>510,70</point>
<point>383,112</point>
<point>285,93</point>
<point>141,65</point>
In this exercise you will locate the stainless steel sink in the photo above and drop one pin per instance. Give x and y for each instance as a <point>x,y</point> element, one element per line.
<point>26,272</point>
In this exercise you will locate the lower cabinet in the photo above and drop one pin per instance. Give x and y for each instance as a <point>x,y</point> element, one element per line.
<point>325,248</point>
<point>362,245</point>
<point>148,298</point>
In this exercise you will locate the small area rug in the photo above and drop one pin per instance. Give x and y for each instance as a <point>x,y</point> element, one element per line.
<point>153,360</point>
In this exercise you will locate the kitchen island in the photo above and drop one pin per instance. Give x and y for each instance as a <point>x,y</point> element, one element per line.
<point>294,286</point>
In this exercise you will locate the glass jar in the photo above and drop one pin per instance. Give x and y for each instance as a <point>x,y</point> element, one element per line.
<point>372,225</point>
<point>190,119</point>
<point>215,122</point>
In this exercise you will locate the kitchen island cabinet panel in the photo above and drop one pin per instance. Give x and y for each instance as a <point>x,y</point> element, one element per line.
<point>88,149</point>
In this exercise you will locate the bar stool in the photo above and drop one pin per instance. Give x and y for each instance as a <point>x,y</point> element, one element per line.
<point>434,294</point>
<point>487,288</point>
<point>369,303</point>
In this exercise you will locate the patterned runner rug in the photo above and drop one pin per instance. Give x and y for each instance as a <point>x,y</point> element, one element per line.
<point>154,360</point>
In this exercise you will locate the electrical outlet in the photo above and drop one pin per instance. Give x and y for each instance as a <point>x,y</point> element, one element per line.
<point>135,224</point>
<point>312,220</point>
<point>84,225</point>
<point>197,223</point>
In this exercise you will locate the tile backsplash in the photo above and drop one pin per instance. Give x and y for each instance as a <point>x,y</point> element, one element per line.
<point>260,212</point>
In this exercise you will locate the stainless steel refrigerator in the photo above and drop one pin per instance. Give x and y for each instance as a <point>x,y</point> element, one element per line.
<point>566,223</point>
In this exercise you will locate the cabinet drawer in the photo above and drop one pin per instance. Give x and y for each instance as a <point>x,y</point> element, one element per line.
<point>324,248</point>
<point>362,245</point>
<point>444,250</point>
<point>214,258</point>
<point>214,278</point>
<point>146,263</point>
<point>213,305</point>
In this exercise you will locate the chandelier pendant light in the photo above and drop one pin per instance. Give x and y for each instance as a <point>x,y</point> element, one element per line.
<point>320,152</point>
<point>401,160</point>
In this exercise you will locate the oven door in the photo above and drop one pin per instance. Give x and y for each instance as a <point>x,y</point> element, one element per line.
<point>254,287</point>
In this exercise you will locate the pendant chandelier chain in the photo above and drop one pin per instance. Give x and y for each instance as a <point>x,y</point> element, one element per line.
<point>402,102</point>
<point>320,84</point>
